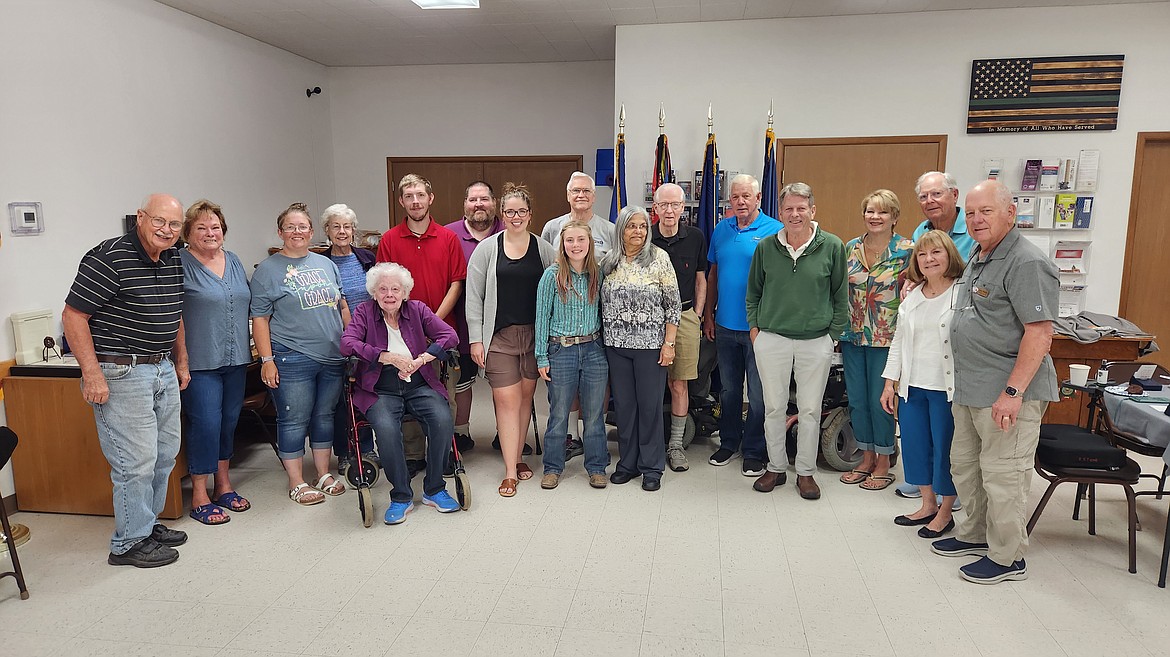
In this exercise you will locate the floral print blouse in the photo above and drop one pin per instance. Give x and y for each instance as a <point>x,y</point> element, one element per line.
<point>873,291</point>
<point>638,302</point>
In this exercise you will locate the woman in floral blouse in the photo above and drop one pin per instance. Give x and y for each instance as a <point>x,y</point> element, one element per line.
<point>876,265</point>
<point>640,310</point>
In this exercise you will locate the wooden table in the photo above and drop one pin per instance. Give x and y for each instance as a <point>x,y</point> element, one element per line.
<point>59,466</point>
<point>1066,351</point>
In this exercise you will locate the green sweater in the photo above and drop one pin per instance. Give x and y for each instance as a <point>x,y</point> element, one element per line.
<point>802,299</point>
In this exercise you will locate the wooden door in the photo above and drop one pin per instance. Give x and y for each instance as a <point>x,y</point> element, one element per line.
<point>1143,281</point>
<point>843,170</point>
<point>545,176</point>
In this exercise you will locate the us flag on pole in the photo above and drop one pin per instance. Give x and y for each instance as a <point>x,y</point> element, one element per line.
<point>1042,94</point>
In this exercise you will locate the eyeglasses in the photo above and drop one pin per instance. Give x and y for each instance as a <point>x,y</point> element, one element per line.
<point>935,195</point>
<point>579,191</point>
<point>297,229</point>
<point>159,222</point>
<point>641,227</point>
<point>512,214</point>
<point>673,205</point>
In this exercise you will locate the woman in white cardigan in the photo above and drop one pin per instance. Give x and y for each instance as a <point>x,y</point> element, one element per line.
<point>502,276</point>
<point>921,369</point>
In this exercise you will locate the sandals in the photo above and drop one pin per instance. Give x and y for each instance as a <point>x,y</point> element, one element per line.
<point>850,479</point>
<point>334,489</point>
<point>523,472</point>
<point>508,488</point>
<point>305,495</point>
<point>878,482</point>
<point>233,501</point>
<point>210,514</point>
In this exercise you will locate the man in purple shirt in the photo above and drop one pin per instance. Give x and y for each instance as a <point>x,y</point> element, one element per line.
<point>479,222</point>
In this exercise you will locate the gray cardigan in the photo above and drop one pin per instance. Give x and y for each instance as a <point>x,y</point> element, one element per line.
<point>481,287</point>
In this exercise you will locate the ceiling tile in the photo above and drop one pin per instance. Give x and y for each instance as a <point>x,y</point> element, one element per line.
<point>723,11</point>
<point>767,8</point>
<point>634,16</point>
<point>677,14</point>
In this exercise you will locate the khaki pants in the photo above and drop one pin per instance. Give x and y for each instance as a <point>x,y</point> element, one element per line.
<point>779,359</point>
<point>992,470</point>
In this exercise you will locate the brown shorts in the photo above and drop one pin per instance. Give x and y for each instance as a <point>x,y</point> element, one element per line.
<point>511,356</point>
<point>686,349</point>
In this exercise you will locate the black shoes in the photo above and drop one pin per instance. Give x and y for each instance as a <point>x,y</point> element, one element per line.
<point>927,532</point>
<point>651,485</point>
<point>907,521</point>
<point>619,477</point>
<point>147,553</point>
<point>464,442</point>
<point>167,536</point>
<point>496,446</point>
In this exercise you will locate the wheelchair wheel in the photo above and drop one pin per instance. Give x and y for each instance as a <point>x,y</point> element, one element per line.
<point>838,445</point>
<point>366,504</point>
<point>463,489</point>
<point>368,471</point>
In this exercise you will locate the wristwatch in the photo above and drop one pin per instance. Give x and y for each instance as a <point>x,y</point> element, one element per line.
<point>267,359</point>
<point>1011,392</point>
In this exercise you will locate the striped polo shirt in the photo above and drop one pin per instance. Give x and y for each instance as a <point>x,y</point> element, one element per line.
<point>134,303</point>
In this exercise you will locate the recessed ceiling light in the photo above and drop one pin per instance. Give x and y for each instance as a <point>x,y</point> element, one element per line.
<point>447,4</point>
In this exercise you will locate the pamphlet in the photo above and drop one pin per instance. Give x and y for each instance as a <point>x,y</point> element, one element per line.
<point>1084,212</point>
<point>1087,170</point>
<point>1031,179</point>
<point>1068,175</point>
<point>1066,207</point>
<point>1025,211</point>
<point>1069,256</point>
<point>992,168</point>
<point>1049,175</point>
<point>1045,209</point>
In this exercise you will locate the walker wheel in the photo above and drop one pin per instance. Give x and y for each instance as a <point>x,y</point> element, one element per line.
<point>368,471</point>
<point>463,490</point>
<point>366,504</point>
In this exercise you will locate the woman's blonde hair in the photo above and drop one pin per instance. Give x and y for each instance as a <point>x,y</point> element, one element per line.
<point>932,240</point>
<point>565,270</point>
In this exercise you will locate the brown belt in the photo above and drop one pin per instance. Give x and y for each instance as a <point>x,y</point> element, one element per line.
<point>570,340</point>
<point>151,359</point>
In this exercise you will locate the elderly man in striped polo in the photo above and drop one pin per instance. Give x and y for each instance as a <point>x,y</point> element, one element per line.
<point>123,320</point>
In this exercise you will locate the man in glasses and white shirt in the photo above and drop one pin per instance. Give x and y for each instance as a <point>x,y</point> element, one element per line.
<point>582,192</point>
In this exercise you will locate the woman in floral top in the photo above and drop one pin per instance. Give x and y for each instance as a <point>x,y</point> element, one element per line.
<point>876,264</point>
<point>640,310</point>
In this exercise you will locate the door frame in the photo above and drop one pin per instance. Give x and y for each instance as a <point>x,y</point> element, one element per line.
<point>1143,138</point>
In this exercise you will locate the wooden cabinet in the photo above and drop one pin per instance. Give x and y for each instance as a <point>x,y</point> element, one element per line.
<point>1066,351</point>
<point>59,466</point>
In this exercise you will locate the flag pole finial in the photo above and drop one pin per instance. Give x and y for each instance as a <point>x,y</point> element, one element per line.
<point>661,119</point>
<point>710,122</point>
<point>622,119</point>
<point>771,103</point>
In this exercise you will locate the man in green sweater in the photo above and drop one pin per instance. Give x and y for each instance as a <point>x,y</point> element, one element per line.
<point>797,305</point>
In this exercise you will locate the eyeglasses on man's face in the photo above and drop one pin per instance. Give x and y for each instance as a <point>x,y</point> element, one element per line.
<point>672,205</point>
<point>512,214</point>
<point>933,195</point>
<point>581,191</point>
<point>159,222</point>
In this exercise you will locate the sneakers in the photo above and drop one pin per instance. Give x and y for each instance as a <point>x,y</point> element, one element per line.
<point>721,457</point>
<point>986,571</point>
<point>752,467</point>
<point>396,514</point>
<point>442,501</point>
<point>464,442</point>
<point>953,547</point>
<point>167,536</point>
<point>147,553</point>
<point>677,459</point>
<point>908,491</point>
<point>573,448</point>
<point>343,464</point>
<point>372,457</point>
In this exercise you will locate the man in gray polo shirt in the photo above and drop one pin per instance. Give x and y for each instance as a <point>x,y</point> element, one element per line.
<point>1002,329</point>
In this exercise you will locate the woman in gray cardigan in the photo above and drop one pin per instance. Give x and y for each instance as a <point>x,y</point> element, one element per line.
<point>501,327</point>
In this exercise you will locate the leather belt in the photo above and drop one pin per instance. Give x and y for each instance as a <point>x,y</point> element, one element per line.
<point>131,360</point>
<point>570,340</point>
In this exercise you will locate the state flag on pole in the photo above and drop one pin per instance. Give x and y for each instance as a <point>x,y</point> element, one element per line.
<point>661,170</point>
<point>708,210</point>
<point>769,203</point>
<point>619,178</point>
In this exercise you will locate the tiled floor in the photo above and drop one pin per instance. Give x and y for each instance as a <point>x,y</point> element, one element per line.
<point>706,566</point>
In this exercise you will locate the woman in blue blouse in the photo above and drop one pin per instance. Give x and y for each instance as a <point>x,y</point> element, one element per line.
<point>569,354</point>
<point>640,309</point>
<point>215,320</point>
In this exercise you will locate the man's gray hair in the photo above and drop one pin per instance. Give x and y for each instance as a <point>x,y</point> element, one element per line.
<point>671,186</point>
<point>745,179</point>
<point>948,179</point>
<point>796,189</point>
<point>581,174</point>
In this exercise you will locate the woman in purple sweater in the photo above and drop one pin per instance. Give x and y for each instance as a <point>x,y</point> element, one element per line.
<point>390,334</point>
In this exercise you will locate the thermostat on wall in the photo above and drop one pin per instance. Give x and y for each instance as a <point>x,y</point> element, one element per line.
<point>26,218</point>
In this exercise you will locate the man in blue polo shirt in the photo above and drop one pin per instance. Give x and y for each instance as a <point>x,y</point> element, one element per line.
<point>938,194</point>
<point>733,242</point>
<point>123,320</point>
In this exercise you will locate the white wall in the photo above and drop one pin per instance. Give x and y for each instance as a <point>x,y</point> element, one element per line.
<point>105,101</point>
<point>895,74</point>
<point>469,110</point>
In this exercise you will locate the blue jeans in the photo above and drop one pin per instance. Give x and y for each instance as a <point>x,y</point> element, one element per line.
<point>305,400</point>
<point>872,425</point>
<point>138,428</point>
<point>434,414</point>
<point>212,403</point>
<point>927,430</point>
<point>576,369</point>
<point>737,360</point>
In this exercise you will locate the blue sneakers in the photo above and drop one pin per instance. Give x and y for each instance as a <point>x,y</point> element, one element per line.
<point>986,571</point>
<point>442,501</point>
<point>396,514</point>
<point>953,547</point>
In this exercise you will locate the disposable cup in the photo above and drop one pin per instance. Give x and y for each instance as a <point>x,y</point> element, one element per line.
<point>1078,375</point>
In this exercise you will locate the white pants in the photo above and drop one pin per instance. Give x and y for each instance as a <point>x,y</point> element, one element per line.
<point>778,360</point>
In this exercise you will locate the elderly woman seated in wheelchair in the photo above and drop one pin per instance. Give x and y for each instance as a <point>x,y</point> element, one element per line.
<point>396,340</point>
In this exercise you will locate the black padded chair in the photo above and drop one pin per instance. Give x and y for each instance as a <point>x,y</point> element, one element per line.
<point>1122,372</point>
<point>1126,476</point>
<point>7,446</point>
